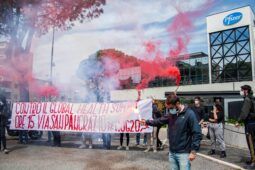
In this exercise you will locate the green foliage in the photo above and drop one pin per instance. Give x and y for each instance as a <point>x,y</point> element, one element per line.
<point>234,121</point>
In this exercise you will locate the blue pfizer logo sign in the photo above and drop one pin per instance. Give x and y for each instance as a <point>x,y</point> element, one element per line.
<point>232,18</point>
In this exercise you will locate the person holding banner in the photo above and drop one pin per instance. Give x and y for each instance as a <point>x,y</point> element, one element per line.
<point>56,138</point>
<point>121,141</point>
<point>106,141</point>
<point>3,120</point>
<point>153,139</point>
<point>56,134</point>
<point>86,137</point>
<point>184,133</point>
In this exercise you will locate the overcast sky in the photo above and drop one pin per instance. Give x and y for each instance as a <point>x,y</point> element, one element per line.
<point>124,25</point>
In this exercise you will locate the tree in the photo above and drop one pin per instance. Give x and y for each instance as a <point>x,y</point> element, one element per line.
<point>21,19</point>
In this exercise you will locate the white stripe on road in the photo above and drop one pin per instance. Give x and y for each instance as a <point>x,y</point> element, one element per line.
<point>220,161</point>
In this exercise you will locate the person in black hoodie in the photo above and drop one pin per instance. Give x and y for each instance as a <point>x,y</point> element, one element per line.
<point>184,133</point>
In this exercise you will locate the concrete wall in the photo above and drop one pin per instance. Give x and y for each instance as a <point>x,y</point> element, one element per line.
<point>235,136</point>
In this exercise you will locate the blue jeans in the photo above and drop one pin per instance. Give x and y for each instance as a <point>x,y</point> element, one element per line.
<point>138,136</point>
<point>106,140</point>
<point>179,161</point>
<point>49,136</point>
<point>23,136</point>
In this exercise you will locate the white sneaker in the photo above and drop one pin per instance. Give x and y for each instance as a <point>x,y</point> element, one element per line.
<point>6,151</point>
<point>127,148</point>
<point>119,147</point>
<point>155,150</point>
<point>82,146</point>
<point>148,149</point>
<point>90,147</point>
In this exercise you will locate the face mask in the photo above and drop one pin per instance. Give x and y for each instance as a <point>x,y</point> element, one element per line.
<point>196,102</point>
<point>173,111</point>
<point>242,93</point>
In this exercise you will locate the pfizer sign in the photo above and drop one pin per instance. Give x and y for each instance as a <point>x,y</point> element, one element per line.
<point>232,18</point>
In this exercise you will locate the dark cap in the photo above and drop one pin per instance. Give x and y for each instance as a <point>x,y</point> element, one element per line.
<point>246,87</point>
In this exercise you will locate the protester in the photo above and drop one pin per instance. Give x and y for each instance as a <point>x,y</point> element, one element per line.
<point>167,113</point>
<point>86,137</point>
<point>23,136</point>
<point>184,133</point>
<point>157,114</point>
<point>153,140</point>
<point>56,138</point>
<point>3,121</point>
<point>198,110</point>
<point>138,137</point>
<point>56,134</point>
<point>106,140</point>
<point>216,118</point>
<point>159,142</point>
<point>121,141</point>
<point>247,115</point>
<point>49,137</point>
<point>217,100</point>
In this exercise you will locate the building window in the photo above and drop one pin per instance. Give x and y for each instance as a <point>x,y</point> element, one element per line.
<point>194,70</point>
<point>231,55</point>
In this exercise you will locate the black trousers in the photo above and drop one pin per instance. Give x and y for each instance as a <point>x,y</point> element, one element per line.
<point>56,138</point>
<point>2,137</point>
<point>121,138</point>
<point>2,132</point>
<point>159,143</point>
<point>250,138</point>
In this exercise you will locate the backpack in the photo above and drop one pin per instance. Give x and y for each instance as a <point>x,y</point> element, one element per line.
<point>252,110</point>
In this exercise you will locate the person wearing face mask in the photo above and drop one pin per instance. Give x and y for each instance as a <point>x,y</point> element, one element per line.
<point>184,133</point>
<point>247,117</point>
<point>216,118</point>
<point>198,110</point>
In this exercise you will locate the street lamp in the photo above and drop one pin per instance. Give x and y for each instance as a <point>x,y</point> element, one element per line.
<point>52,54</point>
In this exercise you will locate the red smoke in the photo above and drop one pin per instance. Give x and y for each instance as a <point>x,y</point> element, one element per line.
<point>150,47</point>
<point>48,91</point>
<point>156,62</point>
<point>149,69</point>
<point>19,70</point>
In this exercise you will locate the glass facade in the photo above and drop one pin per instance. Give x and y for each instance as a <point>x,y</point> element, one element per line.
<point>230,55</point>
<point>194,70</point>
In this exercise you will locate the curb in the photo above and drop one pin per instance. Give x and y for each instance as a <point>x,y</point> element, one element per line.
<point>221,162</point>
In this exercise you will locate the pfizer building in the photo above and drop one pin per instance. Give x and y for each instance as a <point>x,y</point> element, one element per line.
<point>231,45</point>
<point>228,65</point>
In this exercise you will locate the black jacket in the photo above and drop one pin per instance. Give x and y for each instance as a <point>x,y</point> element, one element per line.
<point>247,108</point>
<point>3,110</point>
<point>199,112</point>
<point>155,112</point>
<point>184,131</point>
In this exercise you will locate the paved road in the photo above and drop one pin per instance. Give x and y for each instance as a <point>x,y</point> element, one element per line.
<point>38,155</point>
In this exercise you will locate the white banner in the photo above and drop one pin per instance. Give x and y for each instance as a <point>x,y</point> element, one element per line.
<point>122,117</point>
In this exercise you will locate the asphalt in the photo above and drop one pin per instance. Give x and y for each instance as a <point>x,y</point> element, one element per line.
<point>38,154</point>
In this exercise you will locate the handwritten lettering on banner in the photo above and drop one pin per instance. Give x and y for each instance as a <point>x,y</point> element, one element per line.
<point>119,117</point>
